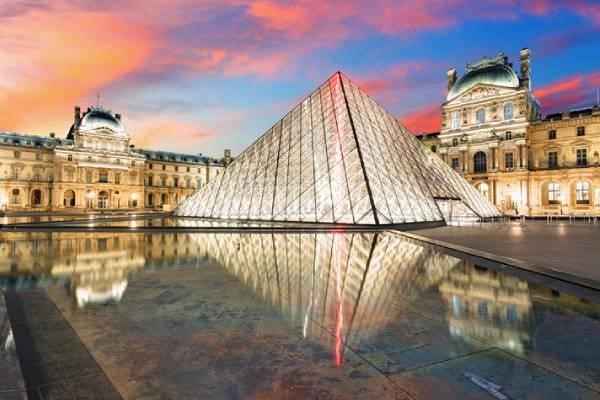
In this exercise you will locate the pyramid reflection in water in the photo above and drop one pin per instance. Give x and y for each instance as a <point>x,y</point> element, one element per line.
<point>337,157</point>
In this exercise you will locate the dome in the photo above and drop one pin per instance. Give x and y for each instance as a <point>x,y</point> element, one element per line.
<point>101,119</point>
<point>495,72</point>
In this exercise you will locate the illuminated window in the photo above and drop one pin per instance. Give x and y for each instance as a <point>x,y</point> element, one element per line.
<point>455,120</point>
<point>484,189</point>
<point>508,111</point>
<point>582,192</point>
<point>480,116</point>
<point>553,193</point>
<point>479,162</point>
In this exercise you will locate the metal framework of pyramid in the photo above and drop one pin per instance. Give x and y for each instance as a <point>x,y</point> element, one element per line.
<point>337,157</point>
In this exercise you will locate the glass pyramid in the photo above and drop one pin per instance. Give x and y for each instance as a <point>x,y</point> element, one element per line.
<point>337,157</point>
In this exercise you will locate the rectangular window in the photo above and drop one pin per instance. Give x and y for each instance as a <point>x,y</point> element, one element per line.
<point>552,159</point>
<point>37,175</point>
<point>89,158</point>
<point>455,163</point>
<point>176,168</point>
<point>69,176</point>
<point>118,161</point>
<point>103,177</point>
<point>133,163</point>
<point>509,161</point>
<point>69,157</point>
<point>552,134</point>
<point>163,181</point>
<point>164,167</point>
<point>455,120</point>
<point>150,166</point>
<point>150,180</point>
<point>198,170</point>
<point>581,157</point>
<point>117,178</point>
<point>433,149</point>
<point>39,156</point>
<point>17,154</point>
<point>582,190</point>
<point>88,176</point>
<point>16,173</point>
<point>187,169</point>
<point>581,131</point>
<point>176,182</point>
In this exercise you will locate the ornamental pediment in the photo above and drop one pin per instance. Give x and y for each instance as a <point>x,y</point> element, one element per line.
<point>481,92</point>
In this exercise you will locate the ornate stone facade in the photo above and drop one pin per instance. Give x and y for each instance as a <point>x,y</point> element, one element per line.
<point>96,167</point>
<point>494,135</point>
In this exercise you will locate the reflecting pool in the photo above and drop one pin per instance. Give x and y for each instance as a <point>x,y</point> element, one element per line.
<point>281,316</point>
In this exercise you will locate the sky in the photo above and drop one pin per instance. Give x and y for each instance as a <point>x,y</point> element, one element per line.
<point>200,76</point>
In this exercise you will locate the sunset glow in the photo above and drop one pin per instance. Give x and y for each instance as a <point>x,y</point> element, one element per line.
<point>200,76</point>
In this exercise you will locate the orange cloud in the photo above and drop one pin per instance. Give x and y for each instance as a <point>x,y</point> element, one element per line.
<point>50,60</point>
<point>166,133</point>
<point>424,120</point>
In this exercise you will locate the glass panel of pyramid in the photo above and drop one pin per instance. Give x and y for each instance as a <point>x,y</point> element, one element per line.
<point>337,157</point>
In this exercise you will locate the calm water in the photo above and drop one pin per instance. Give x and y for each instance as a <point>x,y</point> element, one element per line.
<point>281,316</point>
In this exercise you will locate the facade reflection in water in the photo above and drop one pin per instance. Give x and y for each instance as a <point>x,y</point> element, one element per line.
<point>337,288</point>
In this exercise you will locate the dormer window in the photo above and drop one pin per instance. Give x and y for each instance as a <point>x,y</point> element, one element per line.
<point>455,120</point>
<point>480,116</point>
<point>508,111</point>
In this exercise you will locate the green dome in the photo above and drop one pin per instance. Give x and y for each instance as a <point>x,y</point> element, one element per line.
<point>489,74</point>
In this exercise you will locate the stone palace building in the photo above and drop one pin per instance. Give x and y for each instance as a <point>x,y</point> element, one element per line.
<point>96,167</point>
<point>494,134</point>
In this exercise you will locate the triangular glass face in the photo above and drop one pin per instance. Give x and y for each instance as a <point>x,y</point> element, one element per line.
<point>337,157</point>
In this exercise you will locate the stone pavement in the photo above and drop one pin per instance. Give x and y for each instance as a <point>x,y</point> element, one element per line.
<point>569,249</point>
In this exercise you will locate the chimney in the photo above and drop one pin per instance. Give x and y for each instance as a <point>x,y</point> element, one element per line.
<point>227,156</point>
<point>118,117</point>
<point>525,68</point>
<point>77,115</point>
<point>451,78</point>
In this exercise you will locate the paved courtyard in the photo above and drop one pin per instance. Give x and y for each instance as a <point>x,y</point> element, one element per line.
<point>572,249</point>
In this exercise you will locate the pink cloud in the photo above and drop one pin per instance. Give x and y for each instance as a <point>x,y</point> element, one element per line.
<point>423,120</point>
<point>570,92</point>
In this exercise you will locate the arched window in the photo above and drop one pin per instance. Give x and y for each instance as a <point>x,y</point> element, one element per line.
<point>480,116</point>
<point>508,111</point>
<point>553,193</point>
<point>480,162</point>
<point>582,192</point>
<point>455,120</point>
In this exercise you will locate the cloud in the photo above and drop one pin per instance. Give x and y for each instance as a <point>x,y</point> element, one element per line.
<point>166,133</point>
<point>423,120</point>
<point>51,60</point>
<point>571,92</point>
